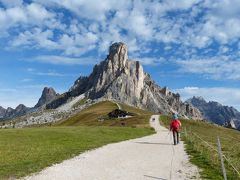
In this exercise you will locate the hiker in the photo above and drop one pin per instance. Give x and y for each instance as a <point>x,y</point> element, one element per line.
<point>175,128</point>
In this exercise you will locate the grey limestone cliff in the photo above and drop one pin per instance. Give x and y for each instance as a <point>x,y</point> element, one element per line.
<point>118,78</point>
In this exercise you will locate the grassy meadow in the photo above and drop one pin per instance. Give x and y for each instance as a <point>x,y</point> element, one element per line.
<point>28,150</point>
<point>96,115</point>
<point>201,144</point>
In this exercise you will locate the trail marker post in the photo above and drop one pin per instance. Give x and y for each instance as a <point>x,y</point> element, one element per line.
<point>221,159</point>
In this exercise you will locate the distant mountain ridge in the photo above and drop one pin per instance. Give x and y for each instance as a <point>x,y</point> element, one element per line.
<point>10,113</point>
<point>216,112</point>
<point>48,94</point>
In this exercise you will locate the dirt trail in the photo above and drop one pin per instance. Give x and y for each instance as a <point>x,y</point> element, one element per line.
<point>150,157</point>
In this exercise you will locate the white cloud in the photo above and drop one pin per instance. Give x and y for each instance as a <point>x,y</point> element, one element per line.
<point>38,12</point>
<point>139,19</point>
<point>65,60</point>
<point>34,39</point>
<point>43,24</point>
<point>225,96</point>
<point>219,67</point>
<point>49,72</point>
<point>25,16</point>
<point>26,80</point>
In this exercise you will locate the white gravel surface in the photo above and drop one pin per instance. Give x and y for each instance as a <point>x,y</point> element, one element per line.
<point>150,157</point>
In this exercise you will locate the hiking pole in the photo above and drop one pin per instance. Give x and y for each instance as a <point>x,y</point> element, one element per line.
<point>168,134</point>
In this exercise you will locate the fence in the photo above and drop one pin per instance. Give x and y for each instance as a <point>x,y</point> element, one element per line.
<point>213,154</point>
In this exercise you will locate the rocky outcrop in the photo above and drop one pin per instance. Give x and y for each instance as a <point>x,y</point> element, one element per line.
<point>20,110</point>
<point>216,112</point>
<point>118,78</point>
<point>10,113</point>
<point>2,112</point>
<point>48,94</point>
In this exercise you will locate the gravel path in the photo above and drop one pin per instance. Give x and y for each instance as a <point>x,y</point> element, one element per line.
<point>148,158</point>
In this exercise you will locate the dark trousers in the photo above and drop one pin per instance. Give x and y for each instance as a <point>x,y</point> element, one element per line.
<point>175,137</point>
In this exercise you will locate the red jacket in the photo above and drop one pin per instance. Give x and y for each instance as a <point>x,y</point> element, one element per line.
<point>175,125</point>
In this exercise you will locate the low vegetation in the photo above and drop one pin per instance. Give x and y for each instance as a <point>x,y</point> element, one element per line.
<point>201,143</point>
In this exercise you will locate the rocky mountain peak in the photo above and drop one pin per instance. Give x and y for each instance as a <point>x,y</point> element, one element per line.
<point>200,98</point>
<point>2,109</point>
<point>20,106</point>
<point>118,55</point>
<point>120,79</point>
<point>115,63</point>
<point>48,94</point>
<point>9,109</point>
<point>197,100</point>
<point>20,110</point>
<point>2,112</point>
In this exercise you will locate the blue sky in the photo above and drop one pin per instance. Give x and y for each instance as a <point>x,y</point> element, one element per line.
<point>191,46</point>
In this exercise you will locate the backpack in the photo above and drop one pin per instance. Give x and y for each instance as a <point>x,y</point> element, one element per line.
<point>175,125</point>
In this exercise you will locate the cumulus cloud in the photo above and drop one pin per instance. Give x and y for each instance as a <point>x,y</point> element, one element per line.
<point>140,20</point>
<point>223,95</point>
<point>24,15</point>
<point>219,67</point>
<point>192,25</point>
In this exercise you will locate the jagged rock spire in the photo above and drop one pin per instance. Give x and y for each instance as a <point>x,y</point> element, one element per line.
<point>48,94</point>
<point>118,55</point>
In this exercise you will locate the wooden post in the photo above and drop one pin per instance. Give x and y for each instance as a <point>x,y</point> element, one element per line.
<point>185,131</point>
<point>221,159</point>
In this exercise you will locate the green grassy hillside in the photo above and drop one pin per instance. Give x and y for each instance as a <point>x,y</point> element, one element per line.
<point>24,151</point>
<point>96,115</point>
<point>201,144</point>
